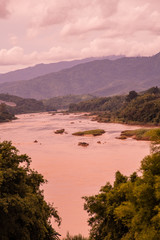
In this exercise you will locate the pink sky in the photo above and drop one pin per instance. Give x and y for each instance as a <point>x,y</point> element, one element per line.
<point>36,31</point>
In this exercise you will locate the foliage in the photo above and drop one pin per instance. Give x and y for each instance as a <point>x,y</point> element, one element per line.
<point>142,108</point>
<point>29,105</point>
<point>99,104</point>
<point>5,115</point>
<point>130,209</point>
<point>142,134</point>
<point>102,78</point>
<point>132,95</point>
<point>23,105</point>
<point>76,237</point>
<point>95,132</point>
<point>24,214</point>
<point>65,101</point>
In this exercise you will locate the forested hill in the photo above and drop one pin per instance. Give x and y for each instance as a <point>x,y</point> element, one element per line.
<point>42,69</point>
<point>63,102</point>
<point>22,105</point>
<point>5,114</point>
<point>100,77</point>
<point>18,105</point>
<point>139,108</point>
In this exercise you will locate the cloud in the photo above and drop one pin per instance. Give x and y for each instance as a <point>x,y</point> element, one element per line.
<point>85,25</point>
<point>16,56</point>
<point>120,46</point>
<point>50,31</point>
<point>96,48</point>
<point>4,12</point>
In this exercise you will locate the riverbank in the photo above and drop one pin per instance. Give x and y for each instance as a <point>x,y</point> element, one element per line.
<point>141,134</point>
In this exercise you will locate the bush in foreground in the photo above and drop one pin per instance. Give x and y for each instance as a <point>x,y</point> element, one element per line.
<point>24,214</point>
<point>130,208</point>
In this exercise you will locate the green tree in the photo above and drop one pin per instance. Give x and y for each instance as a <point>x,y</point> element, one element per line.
<point>24,214</point>
<point>130,209</point>
<point>131,96</point>
<point>5,115</point>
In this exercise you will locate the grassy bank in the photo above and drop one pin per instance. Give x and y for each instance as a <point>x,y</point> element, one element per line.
<point>141,134</point>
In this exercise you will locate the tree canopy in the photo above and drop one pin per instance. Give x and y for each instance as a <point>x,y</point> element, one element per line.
<point>142,108</point>
<point>24,214</point>
<point>130,208</point>
<point>5,115</point>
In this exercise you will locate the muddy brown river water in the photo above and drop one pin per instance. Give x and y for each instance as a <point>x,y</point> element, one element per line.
<point>73,171</point>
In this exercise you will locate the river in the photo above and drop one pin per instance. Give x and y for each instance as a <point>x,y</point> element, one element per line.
<point>73,171</point>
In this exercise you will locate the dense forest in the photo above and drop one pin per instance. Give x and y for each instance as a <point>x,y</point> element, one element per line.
<point>139,108</point>
<point>64,101</point>
<point>29,105</point>
<point>23,105</point>
<point>24,214</point>
<point>5,115</point>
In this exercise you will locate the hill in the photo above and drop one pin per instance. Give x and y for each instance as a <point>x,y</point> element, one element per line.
<point>134,108</point>
<point>18,105</point>
<point>65,101</point>
<point>100,77</point>
<point>42,69</point>
<point>5,115</point>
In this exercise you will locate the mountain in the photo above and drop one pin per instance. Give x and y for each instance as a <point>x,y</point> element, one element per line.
<point>42,69</point>
<point>100,77</point>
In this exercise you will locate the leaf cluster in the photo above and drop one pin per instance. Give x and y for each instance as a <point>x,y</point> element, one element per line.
<point>135,108</point>
<point>130,208</point>
<point>24,214</point>
<point>5,115</point>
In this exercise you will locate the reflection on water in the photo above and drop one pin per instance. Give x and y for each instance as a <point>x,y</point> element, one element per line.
<point>71,170</point>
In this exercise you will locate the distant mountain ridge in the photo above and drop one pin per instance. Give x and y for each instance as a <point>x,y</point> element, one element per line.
<point>43,69</point>
<point>99,77</point>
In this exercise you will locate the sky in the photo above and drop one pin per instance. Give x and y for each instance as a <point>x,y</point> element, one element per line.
<point>45,31</point>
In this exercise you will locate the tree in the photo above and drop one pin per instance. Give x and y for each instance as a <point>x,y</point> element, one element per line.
<point>5,115</point>
<point>130,209</point>
<point>24,214</point>
<point>131,96</point>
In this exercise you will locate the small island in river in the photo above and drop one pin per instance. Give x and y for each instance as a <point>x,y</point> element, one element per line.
<point>95,132</point>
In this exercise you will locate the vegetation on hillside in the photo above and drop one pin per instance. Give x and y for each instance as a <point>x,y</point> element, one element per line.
<point>100,78</point>
<point>110,104</point>
<point>142,108</point>
<point>24,214</point>
<point>65,101</point>
<point>23,105</point>
<point>5,115</point>
<point>29,105</point>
